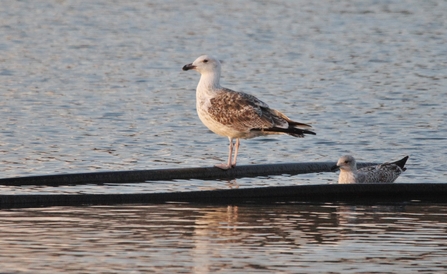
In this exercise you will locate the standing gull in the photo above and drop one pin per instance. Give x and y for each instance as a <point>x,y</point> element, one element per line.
<point>384,173</point>
<point>236,114</point>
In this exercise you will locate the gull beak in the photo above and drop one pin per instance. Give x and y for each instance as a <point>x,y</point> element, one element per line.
<point>335,168</point>
<point>188,67</point>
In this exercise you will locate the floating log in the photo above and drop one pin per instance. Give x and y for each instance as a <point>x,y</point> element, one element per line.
<point>201,173</point>
<point>330,193</point>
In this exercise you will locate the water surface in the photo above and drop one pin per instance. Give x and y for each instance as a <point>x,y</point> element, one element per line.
<point>181,238</point>
<point>98,86</point>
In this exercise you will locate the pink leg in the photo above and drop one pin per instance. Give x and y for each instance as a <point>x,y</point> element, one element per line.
<point>235,152</point>
<point>230,152</point>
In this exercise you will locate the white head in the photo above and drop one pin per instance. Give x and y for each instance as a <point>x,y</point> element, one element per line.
<point>204,64</point>
<point>347,163</point>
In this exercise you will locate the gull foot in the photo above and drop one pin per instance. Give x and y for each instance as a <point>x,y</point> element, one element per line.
<point>223,166</point>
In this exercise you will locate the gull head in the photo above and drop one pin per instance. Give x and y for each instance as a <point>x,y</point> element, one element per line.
<point>204,64</point>
<point>346,163</point>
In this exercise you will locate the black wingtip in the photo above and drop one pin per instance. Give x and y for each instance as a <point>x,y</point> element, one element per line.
<point>298,132</point>
<point>305,131</point>
<point>293,131</point>
<point>401,163</point>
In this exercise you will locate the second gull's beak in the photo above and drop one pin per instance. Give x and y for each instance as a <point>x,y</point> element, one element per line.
<point>335,168</point>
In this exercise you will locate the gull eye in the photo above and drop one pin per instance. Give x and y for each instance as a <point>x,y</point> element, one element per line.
<point>205,61</point>
<point>346,161</point>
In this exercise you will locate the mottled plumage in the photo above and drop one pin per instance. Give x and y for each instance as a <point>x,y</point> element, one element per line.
<point>236,114</point>
<point>384,173</point>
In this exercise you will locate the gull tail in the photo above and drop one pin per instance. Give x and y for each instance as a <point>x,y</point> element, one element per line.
<point>401,163</point>
<point>283,124</point>
<point>288,120</point>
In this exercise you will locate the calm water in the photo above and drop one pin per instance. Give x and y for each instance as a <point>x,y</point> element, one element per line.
<point>178,238</point>
<point>97,86</point>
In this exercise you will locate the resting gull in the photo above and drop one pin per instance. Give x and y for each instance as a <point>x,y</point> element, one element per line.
<point>384,173</point>
<point>236,114</point>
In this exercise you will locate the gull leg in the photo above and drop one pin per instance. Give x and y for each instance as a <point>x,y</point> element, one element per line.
<point>230,152</point>
<point>235,152</point>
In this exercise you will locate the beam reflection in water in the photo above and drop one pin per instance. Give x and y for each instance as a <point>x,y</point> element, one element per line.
<point>246,238</point>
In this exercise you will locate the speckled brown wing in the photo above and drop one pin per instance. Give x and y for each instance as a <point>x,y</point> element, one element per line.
<point>242,111</point>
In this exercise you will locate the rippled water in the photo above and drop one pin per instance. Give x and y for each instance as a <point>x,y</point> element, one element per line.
<point>97,85</point>
<point>218,239</point>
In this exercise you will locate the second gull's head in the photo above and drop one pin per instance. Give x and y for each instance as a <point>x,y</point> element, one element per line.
<point>347,163</point>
